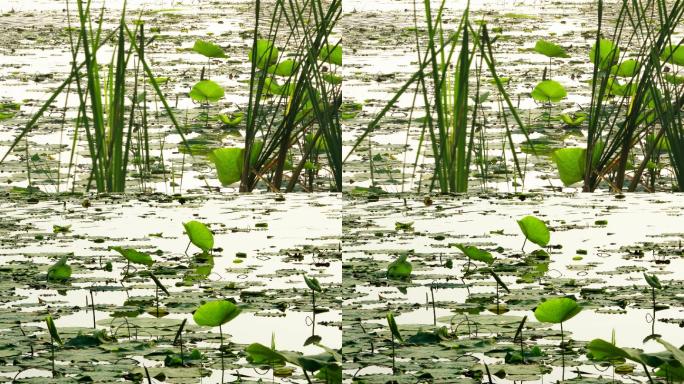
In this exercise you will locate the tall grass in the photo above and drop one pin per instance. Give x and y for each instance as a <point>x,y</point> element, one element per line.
<point>451,104</point>
<point>112,134</point>
<point>620,124</point>
<point>299,116</point>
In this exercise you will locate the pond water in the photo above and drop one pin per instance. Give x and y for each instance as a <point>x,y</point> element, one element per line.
<point>600,247</point>
<point>263,245</point>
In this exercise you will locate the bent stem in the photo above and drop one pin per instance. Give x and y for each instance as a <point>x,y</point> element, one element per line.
<point>92,305</point>
<point>648,374</point>
<point>434,310</point>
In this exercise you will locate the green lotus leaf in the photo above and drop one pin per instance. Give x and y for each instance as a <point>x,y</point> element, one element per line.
<point>208,49</point>
<point>609,54</point>
<point>535,230</point>
<point>205,91</point>
<point>475,253</point>
<point>399,269</point>
<point>557,310</point>
<point>199,235</point>
<point>60,271</point>
<point>134,256</point>
<point>216,313</point>
<point>266,54</point>
<point>550,49</point>
<point>549,91</point>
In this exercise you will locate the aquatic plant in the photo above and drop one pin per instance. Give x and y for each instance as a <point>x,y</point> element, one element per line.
<point>654,283</point>
<point>450,128</point>
<point>306,104</point>
<point>394,333</point>
<point>474,253</point>
<point>215,314</point>
<point>557,311</point>
<point>199,235</point>
<point>547,92</point>
<point>133,256</point>
<point>550,50</point>
<point>60,271</point>
<point>210,51</point>
<point>535,231</point>
<point>617,127</point>
<point>314,286</point>
<point>400,269</point>
<point>499,283</point>
<point>325,365</point>
<point>602,350</point>
<point>102,101</point>
<point>54,338</point>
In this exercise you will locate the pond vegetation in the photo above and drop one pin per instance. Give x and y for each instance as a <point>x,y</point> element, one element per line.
<point>126,111</point>
<point>121,297</point>
<point>475,107</point>
<point>453,297</point>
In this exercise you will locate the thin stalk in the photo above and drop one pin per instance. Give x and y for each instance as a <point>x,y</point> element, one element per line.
<point>221,352</point>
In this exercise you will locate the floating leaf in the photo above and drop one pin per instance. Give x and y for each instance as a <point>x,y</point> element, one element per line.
<point>230,120</point>
<point>266,54</point>
<point>550,49</point>
<point>400,268</point>
<point>199,235</point>
<point>393,326</point>
<point>215,313</point>
<point>674,79</point>
<point>549,91</point>
<point>208,49</point>
<point>535,230</point>
<point>135,257</point>
<point>61,228</point>
<point>617,89</point>
<point>205,91</point>
<point>332,78</point>
<point>60,271</point>
<point>557,310</point>
<point>609,54</point>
